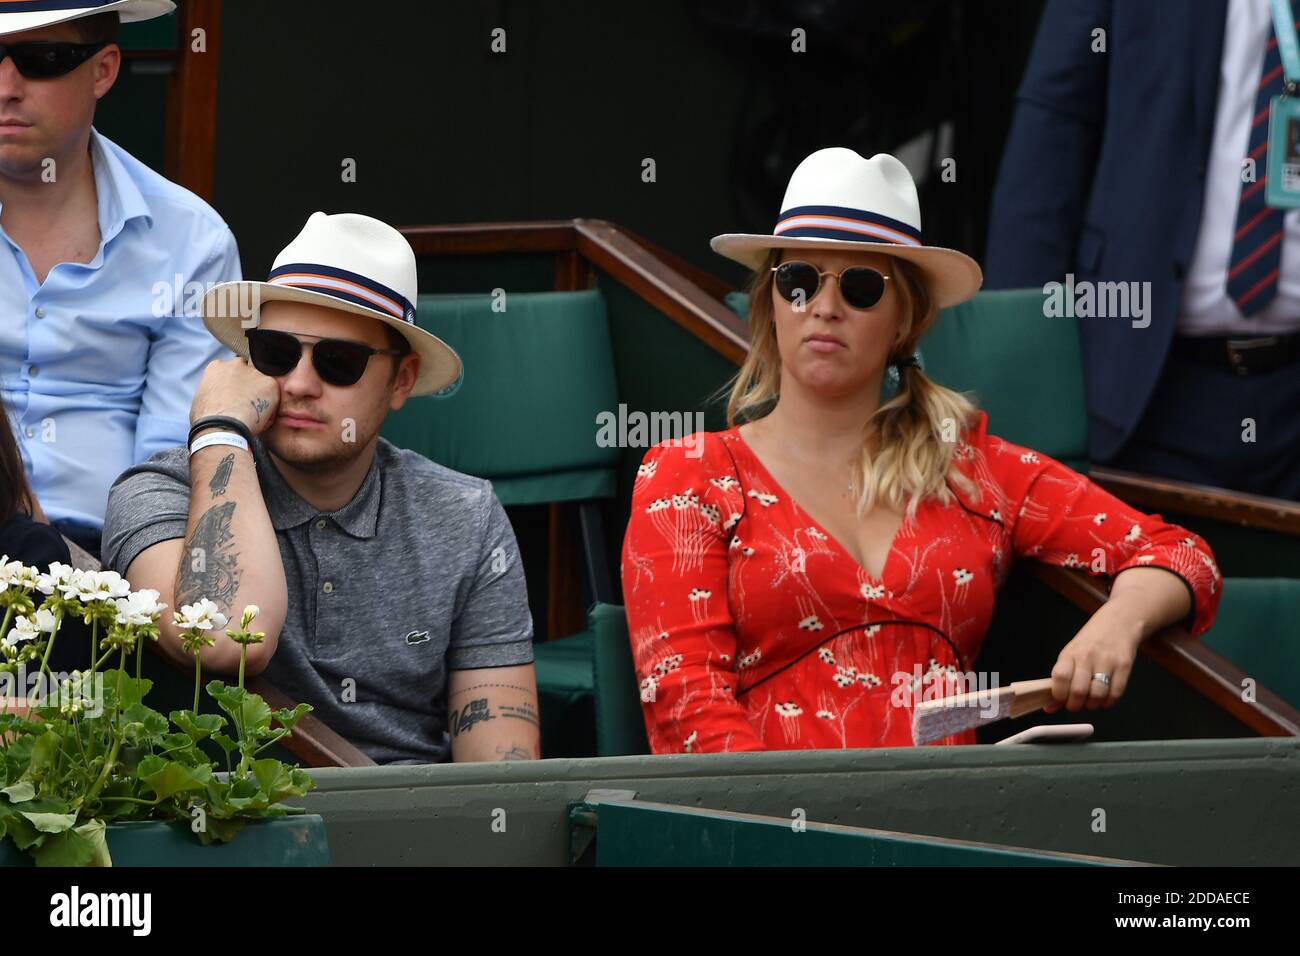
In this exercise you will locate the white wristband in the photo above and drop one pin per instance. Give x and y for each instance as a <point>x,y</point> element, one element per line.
<point>219,438</point>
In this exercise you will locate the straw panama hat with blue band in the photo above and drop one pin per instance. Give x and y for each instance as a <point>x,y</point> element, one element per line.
<point>838,200</point>
<point>348,262</point>
<point>17,16</point>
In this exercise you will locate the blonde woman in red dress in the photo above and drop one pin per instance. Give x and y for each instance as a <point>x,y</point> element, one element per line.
<point>788,580</point>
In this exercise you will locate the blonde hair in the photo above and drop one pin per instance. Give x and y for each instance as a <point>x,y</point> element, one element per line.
<point>905,458</point>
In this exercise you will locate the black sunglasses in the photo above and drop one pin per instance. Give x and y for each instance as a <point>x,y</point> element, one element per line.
<point>45,61</point>
<point>799,282</point>
<point>337,361</point>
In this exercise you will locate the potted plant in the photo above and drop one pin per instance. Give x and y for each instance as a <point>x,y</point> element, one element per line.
<point>84,758</point>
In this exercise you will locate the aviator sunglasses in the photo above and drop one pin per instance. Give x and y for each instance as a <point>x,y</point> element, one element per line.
<point>799,282</point>
<point>45,61</point>
<point>337,361</point>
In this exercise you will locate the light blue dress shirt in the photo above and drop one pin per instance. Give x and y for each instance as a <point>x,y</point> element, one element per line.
<point>98,364</point>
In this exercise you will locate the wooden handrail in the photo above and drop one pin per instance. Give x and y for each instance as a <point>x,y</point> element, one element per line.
<point>313,741</point>
<point>1185,657</point>
<point>1204,501</point>
<point>612,249</point>
<point>607,247</point>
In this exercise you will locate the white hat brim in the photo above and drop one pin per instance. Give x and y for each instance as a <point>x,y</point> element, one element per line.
<point>129,11</point>
<point>954,276</point>
<point>440,366</point>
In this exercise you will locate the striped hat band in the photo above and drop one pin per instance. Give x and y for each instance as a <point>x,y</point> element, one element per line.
<point>344,285</point>
<point>842,222</point>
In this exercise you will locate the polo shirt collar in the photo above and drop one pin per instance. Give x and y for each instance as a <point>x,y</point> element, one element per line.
<point>359,517</point>
<point>118,196</point>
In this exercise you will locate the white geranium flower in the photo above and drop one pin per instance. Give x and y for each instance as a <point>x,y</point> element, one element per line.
<point>8,569</point>
<point>71,588</point>
<point>202,615</point>
<point>25,629</point>
<point>57,578</point>
<point>25,576</point>
<point>103,586</point>
<point>139,607</point>
<point>46,621</point>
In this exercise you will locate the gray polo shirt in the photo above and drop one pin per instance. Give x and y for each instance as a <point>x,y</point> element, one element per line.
<point>417,575</point>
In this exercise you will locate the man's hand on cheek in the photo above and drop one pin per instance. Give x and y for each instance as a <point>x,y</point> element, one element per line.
<point>235,389</point>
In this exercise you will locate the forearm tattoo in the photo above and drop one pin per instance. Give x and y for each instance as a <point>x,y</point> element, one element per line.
<point>521,712</point>
<point>475,712</point>
<point>209,569</point>
<point>221,477</point>
<point>514,752</point>
<point>259,406</point>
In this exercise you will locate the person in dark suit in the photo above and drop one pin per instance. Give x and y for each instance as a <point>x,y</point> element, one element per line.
<point>1136,154</point>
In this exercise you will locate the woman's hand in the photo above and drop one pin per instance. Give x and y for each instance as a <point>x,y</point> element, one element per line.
<point>1142,601</point>
<point>1107,644</point>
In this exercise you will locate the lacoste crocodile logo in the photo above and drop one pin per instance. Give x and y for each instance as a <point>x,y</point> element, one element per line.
<point>417,637</point>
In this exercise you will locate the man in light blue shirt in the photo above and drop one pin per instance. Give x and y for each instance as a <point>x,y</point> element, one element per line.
<point>101,263</point>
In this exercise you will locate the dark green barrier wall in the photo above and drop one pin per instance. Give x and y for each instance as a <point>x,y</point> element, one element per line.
<point>1182,802</point>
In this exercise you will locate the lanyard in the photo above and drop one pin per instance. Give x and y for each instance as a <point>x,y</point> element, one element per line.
<point>1287,48</point>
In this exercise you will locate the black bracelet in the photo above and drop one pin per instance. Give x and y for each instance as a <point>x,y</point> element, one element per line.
<point>220,421</point>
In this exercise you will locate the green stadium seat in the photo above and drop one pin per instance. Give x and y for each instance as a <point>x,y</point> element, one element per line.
<point>589,698</point>
<point>537,373</point>
<point>1025,370</point>
<point>1257,630</point>
<point>524,415</point>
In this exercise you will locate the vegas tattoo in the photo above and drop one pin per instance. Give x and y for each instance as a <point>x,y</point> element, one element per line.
<point>475,712</point>
<point>221,477</point>
<point>259,406</point>
<point>208,567</point>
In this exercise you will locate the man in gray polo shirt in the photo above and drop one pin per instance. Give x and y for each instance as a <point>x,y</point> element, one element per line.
<point>390,588</point>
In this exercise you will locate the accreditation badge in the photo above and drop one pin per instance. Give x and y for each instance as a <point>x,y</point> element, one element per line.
<point>1282,187</point>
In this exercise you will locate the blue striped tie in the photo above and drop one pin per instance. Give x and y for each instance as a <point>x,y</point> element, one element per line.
<point>1256,255</point>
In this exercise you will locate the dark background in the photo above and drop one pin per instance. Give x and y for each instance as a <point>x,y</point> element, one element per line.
<point>445,131</point>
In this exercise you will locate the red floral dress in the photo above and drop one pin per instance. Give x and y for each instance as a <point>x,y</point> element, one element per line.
<point>753,629</point>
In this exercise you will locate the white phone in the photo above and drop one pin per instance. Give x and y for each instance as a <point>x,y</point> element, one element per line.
<point>1050,734</point>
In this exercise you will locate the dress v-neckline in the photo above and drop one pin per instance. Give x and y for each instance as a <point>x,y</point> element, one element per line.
<point>777,486</point>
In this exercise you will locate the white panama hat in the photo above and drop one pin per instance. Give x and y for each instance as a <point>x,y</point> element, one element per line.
<point>18,16</point>
<point>838,200</point>
<point>348,262</point>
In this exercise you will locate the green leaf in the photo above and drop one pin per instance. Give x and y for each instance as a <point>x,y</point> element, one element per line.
<point>52,822</point>
<point>82,846</point>
<point>220,830</point>
<point>129,690</point>
<point>23,833</point>
<point>273,779</point>
<point>20,792</point>
<point>287,718</point>
<point>197,726</point>
<point>144,726</point>
<point>167,777</point>
<point>249,711</point>
<point>45,751</point>
<point>225,743</point>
